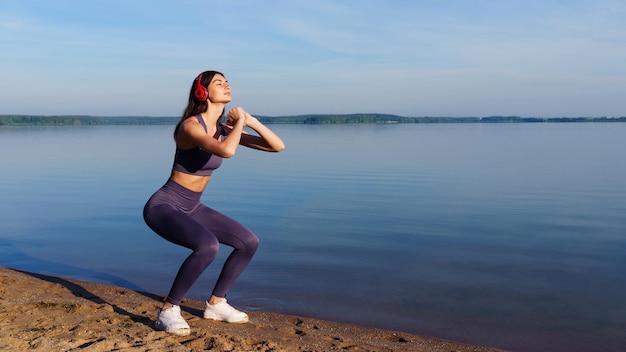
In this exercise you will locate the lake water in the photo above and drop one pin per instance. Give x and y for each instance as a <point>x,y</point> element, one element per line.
<point>507,235</point>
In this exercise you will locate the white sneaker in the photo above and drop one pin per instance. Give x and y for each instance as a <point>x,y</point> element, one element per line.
<point>223,311</point>
<point>171,321</point>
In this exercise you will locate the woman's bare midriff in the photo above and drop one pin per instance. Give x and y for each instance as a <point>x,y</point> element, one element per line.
<point>191,182</point>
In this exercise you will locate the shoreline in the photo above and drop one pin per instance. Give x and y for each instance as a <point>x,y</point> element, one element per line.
<point>43,312</point>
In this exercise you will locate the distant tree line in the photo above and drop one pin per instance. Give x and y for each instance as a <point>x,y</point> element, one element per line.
<point>513,119</point>
<point>385,118</point>
<point>76,120</point>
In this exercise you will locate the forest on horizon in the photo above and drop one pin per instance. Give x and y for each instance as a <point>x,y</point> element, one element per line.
<point>77,120</point>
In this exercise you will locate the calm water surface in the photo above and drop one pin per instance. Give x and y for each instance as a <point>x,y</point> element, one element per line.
<point>507,235</point>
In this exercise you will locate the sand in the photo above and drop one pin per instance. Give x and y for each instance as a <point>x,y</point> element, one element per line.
<point>46,313</point>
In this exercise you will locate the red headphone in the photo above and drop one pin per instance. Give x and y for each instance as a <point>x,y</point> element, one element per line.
<point>201,93</point>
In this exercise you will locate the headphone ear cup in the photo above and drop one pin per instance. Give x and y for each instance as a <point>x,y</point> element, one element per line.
<point>201,93</point>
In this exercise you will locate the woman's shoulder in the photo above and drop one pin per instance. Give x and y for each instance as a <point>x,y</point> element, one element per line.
<point>191,120</point>
<point>192,123</point>
<point>189,128</point>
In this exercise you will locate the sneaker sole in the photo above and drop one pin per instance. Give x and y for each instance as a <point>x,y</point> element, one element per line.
<point>243,321</point>
<point>178,332</point>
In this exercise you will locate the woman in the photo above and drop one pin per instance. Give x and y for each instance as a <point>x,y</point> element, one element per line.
<point>175,213</point>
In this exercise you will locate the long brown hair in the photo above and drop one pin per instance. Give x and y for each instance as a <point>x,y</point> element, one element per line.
<point>195,105</point>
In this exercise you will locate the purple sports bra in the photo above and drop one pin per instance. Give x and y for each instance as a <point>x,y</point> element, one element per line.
<point>196,161</point>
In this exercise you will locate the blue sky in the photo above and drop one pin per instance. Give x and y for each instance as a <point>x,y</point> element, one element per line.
<point>411,58</point>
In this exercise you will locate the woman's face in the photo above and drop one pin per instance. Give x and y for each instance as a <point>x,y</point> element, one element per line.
<point>219,90</point>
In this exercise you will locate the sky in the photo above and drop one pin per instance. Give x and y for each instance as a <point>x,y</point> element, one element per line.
<point>531,58</point>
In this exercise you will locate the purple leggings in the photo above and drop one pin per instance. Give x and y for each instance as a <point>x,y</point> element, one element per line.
<point>176,214</point>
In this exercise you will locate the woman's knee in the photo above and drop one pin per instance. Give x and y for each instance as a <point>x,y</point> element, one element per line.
<point>207,248</point>
<point>251,243</point>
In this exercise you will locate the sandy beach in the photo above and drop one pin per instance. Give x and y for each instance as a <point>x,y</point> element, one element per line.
<point>46,313</point>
